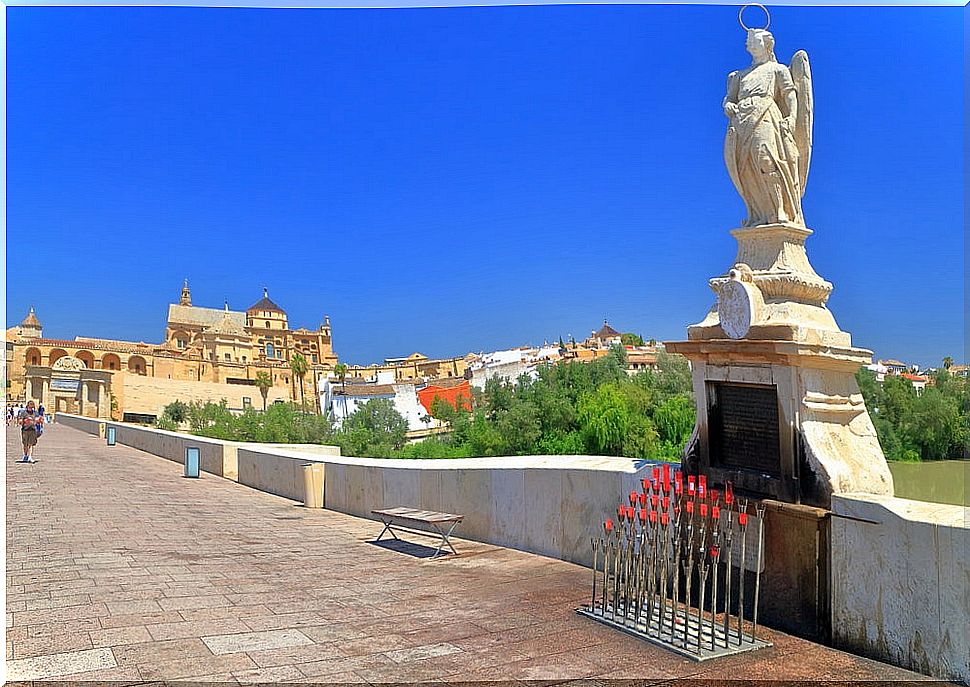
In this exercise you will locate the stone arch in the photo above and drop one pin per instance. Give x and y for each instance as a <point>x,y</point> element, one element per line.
<point>32,356</point>
<point>182,338</point>
<point>86,357</point>
<point>55,354</point>
<point>137,365</point>
<point>110,361</point>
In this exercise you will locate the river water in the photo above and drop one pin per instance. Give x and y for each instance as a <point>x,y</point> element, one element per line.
<point>940,481</point>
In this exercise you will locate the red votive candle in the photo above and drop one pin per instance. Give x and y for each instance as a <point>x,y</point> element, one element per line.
<point>664,518</point>
<point>715,495</point>
<point>716,513</point>
<point>715,551</point>
<point>729,493</point>
<point>643,516</point>
<point>653,517</point>
<point>643,499</point>
<point>702,486</point>
<point>666,474</point>
<point>703,510</point>
<point>678,488</point>
<point>608,525</point>
<point>743,519</point>
<point>690,506</point>
<point>621,511</point>
<point>656,474</point>
<point>690,487</point>
<point>631,513</point>
<point>645,483</point>
<point>666,503</point>
<point>633,498</point>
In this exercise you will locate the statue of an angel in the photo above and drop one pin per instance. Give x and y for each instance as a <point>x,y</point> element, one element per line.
<point>769,138</point>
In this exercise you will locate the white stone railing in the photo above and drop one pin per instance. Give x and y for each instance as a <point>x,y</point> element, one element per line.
<point>901,582</point>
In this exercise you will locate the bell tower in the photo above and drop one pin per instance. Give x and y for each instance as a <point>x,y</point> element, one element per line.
<point>186,297</point>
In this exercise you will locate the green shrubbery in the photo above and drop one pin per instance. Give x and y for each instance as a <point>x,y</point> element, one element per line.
<point>571,408</point>
<point>932,426</point>
<point>574,408</point>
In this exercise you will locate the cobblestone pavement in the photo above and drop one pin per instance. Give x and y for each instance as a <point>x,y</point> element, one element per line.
<point>120,569</point>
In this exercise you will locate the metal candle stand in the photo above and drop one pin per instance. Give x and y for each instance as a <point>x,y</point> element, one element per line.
<point>675,539</point>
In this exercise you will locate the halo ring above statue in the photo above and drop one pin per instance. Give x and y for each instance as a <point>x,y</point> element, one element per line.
<point>763,9</point>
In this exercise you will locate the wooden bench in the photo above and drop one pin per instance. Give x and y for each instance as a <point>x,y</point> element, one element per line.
<point>404,519</point>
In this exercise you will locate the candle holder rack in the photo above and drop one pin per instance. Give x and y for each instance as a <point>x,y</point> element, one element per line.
<point>665,572</point>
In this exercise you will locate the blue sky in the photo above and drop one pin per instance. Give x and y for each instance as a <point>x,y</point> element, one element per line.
<point>447,180</point>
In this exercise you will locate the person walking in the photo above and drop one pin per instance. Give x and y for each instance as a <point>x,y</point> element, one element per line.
<point>30,421</point>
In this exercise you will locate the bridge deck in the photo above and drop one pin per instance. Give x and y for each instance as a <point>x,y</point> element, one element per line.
<point>120,569</point>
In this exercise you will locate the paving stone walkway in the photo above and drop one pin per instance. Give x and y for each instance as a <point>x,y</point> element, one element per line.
<point>119,569</point>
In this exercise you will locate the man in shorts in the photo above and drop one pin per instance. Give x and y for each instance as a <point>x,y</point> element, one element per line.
<point>29,420</point>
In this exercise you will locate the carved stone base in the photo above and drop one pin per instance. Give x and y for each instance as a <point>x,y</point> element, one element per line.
<point>772,258</point>
<point>826,442</point>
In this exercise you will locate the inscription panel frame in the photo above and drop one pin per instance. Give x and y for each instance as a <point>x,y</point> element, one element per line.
<point>770,474</point>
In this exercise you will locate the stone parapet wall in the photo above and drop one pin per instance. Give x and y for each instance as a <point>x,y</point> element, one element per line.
<point>550,505</point>
<point>89,425</point>
<point>279,469</point>
<point>901,582</point>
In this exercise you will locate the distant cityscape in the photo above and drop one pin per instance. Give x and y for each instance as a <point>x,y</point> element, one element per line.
<point>253,357</point>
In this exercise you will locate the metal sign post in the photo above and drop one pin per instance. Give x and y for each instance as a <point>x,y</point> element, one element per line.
<point>192,461</point>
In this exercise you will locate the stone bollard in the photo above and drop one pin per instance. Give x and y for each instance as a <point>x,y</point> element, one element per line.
<point>313,485</point>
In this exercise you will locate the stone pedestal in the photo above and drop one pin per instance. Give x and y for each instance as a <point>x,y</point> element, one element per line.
<point>779,412</point>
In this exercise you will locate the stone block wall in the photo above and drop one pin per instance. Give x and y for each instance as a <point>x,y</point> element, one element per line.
<point>549,505</point>
<point>279,470</point>
<point>901,583</point>
<point>150,395</point>
<point>85,424</point>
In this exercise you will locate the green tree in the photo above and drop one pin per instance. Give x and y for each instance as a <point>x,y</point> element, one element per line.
<point>947,362</point>
<point>299,367</point>
<point>176,411</point>
<point>604,419</point>
<point>374,430</point>
<point>934,426</point>
<point>264,383</point>
<point>674,419</point>
<point>631,339</point>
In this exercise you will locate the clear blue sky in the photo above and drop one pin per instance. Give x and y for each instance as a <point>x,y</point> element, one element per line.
<point>447,180</point>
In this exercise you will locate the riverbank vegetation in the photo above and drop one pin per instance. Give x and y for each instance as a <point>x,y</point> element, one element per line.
<point>932,425</point>
<point>572,408</point>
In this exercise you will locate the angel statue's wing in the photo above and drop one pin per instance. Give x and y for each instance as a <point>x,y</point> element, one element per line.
<point>801,74</point>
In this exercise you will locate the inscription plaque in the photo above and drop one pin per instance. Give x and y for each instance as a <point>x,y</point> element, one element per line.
<point>743,428</point>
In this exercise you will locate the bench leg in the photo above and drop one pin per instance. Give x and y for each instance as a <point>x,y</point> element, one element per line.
<point>387,528</point>
<point>444,539</point>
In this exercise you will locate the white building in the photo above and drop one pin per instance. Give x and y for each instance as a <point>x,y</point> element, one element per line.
<point>341,401</point>
<point>510,364</point>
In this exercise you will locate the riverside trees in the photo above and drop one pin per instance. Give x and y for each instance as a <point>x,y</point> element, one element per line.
<point>911,427</point>
<point>566,409</point>
<point>573,408</point>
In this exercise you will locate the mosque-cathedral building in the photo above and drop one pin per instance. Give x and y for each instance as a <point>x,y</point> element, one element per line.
<point>209,354</point>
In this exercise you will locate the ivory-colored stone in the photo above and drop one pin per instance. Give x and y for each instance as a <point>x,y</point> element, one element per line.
<point>901,582</point>
<point>769,138</point>
<point>771,326</point>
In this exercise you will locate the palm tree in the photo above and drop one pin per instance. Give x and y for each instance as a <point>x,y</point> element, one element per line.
<point>947,362</point>
<point>340,369</point>
<point>265,383</point>
<point>299,367</point>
